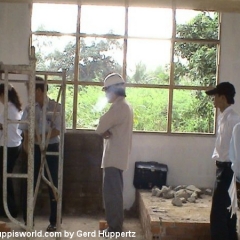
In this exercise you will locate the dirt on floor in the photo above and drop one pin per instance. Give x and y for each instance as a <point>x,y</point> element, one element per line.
<point>189,212</point>
<point>84,227</point>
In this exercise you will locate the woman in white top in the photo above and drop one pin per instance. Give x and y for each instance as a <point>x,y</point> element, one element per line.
<point>13,144</point>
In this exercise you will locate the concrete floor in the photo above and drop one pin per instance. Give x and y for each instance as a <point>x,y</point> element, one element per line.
<point>75,227</point>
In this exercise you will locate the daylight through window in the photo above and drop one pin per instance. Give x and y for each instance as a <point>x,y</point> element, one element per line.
<point>168,58</point>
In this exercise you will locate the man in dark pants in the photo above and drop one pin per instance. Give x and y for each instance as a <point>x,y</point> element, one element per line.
<point>115,126</point>
<point>53,123</point>
<point>222,224</point>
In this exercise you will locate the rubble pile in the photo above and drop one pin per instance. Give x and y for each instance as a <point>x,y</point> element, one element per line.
<point>180,194</point>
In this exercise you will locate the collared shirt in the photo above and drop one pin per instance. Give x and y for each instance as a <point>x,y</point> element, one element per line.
<point>13,133</point>
<point>119,121</point>
<point>50,120</point>
<point>226,122</point>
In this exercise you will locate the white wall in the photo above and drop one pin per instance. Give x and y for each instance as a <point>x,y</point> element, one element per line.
<point>15,28</point>
<point>15,33</point>
<point>188,157</point>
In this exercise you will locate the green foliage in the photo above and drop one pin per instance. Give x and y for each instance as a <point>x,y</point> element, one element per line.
<point>150,108</point>
<point>142,76</point>
<point>196,65</point>
<point>190,113</point>
<point>95,60</point>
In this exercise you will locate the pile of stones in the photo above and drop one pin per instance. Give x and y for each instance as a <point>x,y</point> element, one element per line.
<point>180,194</point>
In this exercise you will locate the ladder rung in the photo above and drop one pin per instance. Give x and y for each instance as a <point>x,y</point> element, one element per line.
<point>16,68</point>
<point>18,121</point>
<point>17,175</point>
<point>52,153</point>
<point>15,80</point>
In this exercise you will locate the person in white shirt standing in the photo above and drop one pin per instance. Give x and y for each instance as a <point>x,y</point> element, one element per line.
<point>115,126</point>
<point>13,145</point>
<point>222,224</point>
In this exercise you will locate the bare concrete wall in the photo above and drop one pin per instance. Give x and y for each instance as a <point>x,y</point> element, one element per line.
<point>82,176</point>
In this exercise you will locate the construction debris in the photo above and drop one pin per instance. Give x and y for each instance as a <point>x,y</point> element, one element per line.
<point>180,194</point>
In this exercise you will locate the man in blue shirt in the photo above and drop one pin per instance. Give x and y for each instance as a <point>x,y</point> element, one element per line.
<point>51,122</point>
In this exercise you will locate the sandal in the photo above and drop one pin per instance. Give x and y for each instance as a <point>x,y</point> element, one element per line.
<point>51,228</point>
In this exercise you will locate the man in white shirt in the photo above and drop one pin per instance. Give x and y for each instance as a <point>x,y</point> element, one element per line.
<point>222,224</point>
<point>115,126</point>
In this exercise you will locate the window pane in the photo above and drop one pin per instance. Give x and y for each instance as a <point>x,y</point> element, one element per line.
<point>53,91</point>
<point>99,57</point>
<point>148,61</point>
<point>69,106</point>
<point>196,25</point>
<point>49,78</point>
<point>91,105</point>
<point>150,22</point>
<point>150,108</point>
<point>192,112</point>
<point>55,53</point>
<point>102,20</point>
<point>195,64</point>
<point>54,17</point>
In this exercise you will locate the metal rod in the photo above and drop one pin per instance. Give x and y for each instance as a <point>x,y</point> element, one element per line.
<point>61,154</point>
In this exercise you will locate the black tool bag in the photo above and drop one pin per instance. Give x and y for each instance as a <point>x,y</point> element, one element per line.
<point>149,174</point>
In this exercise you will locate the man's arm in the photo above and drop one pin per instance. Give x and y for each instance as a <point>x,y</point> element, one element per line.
<point>54,133</point>
<point>106,122</point>
<point>234,151</point>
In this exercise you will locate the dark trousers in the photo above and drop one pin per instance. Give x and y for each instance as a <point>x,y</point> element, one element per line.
<point>52,162</point>
<point>113,198</point>
<point>222,225</point>
<point>12,156</point>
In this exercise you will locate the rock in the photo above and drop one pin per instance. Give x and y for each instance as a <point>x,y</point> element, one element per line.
<point>184,200</point>
<point>154,191</point>
<point>208,192</point>
<point>177,202</point>
<point>179,187</point>
<point>194,195</point>
<point>193,189</point>
<point>182,194</point>
<point>192,199</point>
<point>165,189</point>
<point>168,195</point>
<point>158,192</point>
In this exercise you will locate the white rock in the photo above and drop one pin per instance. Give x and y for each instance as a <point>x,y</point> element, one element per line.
<point>168,195</point>
<point>192,199</point>
<point>182,194</point>
<point>177,202</point>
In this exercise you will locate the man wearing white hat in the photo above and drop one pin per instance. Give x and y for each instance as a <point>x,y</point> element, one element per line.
<point>115,126</point>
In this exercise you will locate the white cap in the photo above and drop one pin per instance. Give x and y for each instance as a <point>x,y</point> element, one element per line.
<point>112,79</point>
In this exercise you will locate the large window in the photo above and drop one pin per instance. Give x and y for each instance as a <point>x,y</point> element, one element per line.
<point>167,56</point>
